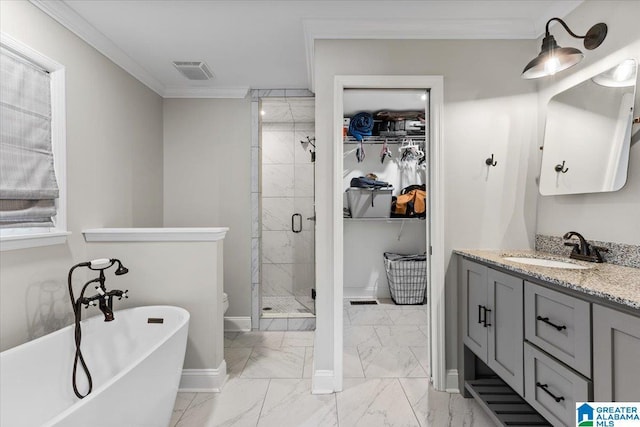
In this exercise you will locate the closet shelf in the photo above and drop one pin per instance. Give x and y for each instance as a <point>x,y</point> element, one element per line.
<point>381,139</point>
<point>385,219</point>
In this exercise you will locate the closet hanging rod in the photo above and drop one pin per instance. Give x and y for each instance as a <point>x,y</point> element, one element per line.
<point>372,142</point>
<point>389,140</point>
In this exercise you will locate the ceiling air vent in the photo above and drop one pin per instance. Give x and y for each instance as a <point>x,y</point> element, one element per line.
<point>194,70</point>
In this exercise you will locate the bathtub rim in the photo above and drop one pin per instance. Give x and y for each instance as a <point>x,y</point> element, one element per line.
<point>135,362</point>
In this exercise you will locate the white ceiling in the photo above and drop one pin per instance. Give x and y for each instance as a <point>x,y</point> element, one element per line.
<point>269,44</point>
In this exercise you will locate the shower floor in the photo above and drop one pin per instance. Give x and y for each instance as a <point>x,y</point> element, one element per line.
<point>284,306</point>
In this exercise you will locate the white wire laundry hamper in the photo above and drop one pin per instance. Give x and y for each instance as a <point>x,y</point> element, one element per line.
<point>407,276</point>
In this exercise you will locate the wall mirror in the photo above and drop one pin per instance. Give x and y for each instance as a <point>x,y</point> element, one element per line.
<point>587,134</point>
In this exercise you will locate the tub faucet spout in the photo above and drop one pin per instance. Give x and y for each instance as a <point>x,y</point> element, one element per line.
<point>104,305</point>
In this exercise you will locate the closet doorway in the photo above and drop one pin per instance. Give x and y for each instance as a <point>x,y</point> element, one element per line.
<point>385,312</point>
<point>432,236</point>
<point>287,213</point>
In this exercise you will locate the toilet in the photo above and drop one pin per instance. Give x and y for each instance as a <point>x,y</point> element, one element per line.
<point>225,301</point>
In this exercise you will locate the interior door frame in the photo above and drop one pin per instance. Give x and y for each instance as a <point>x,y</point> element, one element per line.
<point>435,230</point>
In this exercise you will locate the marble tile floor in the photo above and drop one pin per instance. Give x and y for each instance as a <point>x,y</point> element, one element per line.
<point>385,369</point>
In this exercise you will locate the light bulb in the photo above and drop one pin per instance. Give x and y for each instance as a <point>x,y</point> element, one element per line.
<point>552,65</point>
<point>423,96</point>
<point>624,71</point>
<point>262,112</point>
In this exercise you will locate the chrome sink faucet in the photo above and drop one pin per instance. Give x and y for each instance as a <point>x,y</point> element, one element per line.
<point>583,250</point>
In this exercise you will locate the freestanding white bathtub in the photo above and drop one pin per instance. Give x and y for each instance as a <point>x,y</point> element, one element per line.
<point>135,365</point>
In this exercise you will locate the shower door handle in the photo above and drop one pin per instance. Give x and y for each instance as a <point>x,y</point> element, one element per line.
<point>293,223</point>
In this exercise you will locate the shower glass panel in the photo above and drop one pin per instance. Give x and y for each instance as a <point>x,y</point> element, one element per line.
<point>304,197</point>
<point>288,223</point>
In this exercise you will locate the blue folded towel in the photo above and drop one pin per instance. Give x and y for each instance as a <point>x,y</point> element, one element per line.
<point>361,125</point>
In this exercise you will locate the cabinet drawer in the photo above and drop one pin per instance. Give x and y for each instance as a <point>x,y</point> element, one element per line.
<point>552,388</point>
<point>560,325</point>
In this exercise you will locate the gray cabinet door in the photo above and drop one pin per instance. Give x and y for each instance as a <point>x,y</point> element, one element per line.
<point>474,297</point>
<point>506,334</point>
<point>616,356</point>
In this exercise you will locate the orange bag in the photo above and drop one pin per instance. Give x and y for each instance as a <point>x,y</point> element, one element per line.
<point>411,203</point>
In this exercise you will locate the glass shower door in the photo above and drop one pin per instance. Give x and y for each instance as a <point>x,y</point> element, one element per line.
<point>304,223</point>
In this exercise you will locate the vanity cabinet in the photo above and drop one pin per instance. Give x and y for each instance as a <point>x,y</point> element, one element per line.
<point>552,347</point>
<point>493,327</point>
<point>616,355</point>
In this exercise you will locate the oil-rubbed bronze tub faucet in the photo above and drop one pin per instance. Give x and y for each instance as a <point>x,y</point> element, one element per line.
<point>103,298</point>
<point>583,251</point>
<point>104,302</point>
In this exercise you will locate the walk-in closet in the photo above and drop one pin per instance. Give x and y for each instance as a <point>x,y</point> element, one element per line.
<point>385,152</point>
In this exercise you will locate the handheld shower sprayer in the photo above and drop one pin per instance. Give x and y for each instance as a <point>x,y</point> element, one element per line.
<point>103,299</point>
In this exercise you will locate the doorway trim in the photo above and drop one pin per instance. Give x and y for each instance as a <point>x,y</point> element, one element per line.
<point>436,285</point>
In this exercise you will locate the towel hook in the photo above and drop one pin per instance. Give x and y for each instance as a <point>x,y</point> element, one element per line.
<point>561,168</point>
<point>490,161</point>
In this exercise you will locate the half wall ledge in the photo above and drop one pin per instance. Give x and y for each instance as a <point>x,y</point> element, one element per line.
<point>173,234</point>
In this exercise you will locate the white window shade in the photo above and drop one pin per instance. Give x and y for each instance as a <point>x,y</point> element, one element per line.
<point>28,186</point>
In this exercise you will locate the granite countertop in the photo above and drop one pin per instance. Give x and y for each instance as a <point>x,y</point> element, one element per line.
<point>608,281</point>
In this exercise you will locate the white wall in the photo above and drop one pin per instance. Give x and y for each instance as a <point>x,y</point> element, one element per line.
<point>114,171</point>
<point>611,217</point>
<point>207,154</point>
<point>184,274</point>
<point>488,109</point>
<point>365,242</point>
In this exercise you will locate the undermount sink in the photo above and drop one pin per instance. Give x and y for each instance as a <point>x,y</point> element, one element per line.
<point>546,263</point>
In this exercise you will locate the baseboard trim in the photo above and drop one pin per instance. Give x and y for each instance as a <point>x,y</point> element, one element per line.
<point>323,382</point>
<point>203,380</point>
<point>237,324</point>
<point>452,381</point>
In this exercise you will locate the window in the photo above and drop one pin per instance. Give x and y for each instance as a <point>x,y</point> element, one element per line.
<point>33,205</point>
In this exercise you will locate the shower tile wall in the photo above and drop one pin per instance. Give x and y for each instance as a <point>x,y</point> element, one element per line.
<point>287,188</point>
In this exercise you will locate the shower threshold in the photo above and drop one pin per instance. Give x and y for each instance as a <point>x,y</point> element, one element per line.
<point>288,322</point>
<point>285,314</point>
<point>272,315</point>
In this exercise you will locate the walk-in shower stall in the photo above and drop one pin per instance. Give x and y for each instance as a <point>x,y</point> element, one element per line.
<point>285,252</point>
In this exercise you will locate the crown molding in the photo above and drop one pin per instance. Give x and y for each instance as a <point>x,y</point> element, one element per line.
<point>75,23</point>
<point>205,92</point>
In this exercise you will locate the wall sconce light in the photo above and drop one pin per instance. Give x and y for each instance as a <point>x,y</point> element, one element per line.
<point>553,58</point>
